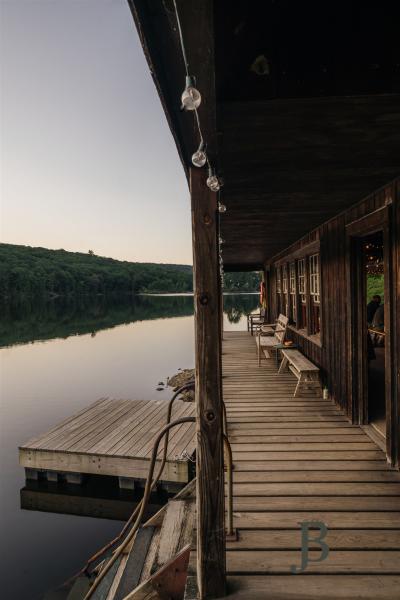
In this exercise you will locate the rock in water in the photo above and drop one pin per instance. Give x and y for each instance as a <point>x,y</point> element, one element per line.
<point>184,376</point>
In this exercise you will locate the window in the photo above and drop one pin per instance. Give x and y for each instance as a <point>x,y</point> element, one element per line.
<point>278,290</point>
<point>285,308</point>
<point>298,293</point>
<point>315,325</point>
<point>301,279</point>
<point>278,280</point>
<point>292,291</point>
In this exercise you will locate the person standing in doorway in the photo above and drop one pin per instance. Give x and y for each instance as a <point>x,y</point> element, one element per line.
<point>372,308</point>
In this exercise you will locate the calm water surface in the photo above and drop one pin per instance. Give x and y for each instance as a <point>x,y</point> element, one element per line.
<point>55,359</point>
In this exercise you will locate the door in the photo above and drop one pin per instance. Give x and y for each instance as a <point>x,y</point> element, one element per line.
<point>369,299</point>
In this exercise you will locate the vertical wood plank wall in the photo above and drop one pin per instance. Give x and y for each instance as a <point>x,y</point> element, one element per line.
<point>332,354</point>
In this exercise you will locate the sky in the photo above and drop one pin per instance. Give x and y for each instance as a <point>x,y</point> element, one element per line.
<point>87,160</point>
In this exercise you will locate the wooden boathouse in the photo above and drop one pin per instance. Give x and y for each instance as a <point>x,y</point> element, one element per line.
<point>286,118</point>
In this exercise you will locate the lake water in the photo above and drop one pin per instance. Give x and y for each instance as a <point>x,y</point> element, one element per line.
<point>55,359</point>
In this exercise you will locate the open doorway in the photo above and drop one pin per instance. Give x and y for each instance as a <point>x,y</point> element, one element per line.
<point>369,296</point>
<point>373,252</point>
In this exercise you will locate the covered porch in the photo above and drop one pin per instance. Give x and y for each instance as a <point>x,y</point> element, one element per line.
<point>290,142</point>
<point>300,460</point>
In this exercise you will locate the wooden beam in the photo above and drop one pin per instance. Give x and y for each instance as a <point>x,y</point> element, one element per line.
<point>210,474</point>
<point>396,323</point>
<point>158,33</point>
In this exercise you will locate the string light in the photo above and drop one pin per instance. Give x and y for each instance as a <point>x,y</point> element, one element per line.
<point>221,207</point>
<point>212,180</point>
<point>191,97</point>
<point>199,158</point>
<point>191,100</point>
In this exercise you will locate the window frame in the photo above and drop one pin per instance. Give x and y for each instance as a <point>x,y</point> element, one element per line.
<point>293,292</point>
<point>285,290</point>
<point>278,279</point>
<point>302,292</point>
<point>314,293</point>
<point>300,299</point>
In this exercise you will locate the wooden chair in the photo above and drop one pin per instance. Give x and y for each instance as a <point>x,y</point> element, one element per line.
<point>269,336</point>
<point>255,319</point>
<point>305,371</point>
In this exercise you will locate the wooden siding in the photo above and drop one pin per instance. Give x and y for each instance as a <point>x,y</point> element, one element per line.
<point>333,351</point>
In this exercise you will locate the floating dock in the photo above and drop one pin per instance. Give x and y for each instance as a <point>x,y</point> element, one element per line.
<point>112,437</point>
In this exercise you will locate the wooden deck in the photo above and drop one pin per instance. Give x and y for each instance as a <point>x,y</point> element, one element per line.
<point>300,460</point>
<point>113,437</point>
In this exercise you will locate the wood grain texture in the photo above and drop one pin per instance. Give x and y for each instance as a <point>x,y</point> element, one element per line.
<point>113,437</point>
<point>314,587</point>
<point>210,475</point>
<point>134,565</point>
<point>295,470</point>
<point>287,173</point>
<point>342,335</point>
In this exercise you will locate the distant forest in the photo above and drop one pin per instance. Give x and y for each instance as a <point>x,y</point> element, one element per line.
<point>39,272</point>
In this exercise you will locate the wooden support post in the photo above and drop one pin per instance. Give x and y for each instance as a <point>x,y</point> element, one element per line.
<point>222,313</point>
<point>126,483</point>
<point>74,478</point>
<point>209,428</point>
<point>52,476</point>
<point>32,474</point>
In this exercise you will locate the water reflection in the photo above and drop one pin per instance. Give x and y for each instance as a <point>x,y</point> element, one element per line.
<point>99,498</point>
<point>91,348</point>
<point>237,306</point>
<point>26,321</point>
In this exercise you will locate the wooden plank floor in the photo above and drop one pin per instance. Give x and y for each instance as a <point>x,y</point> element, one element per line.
<point>114,437</point>
<point>300,460</point>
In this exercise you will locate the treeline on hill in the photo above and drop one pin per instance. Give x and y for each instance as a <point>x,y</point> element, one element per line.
<point>41,272</point>
<point>242,282</point>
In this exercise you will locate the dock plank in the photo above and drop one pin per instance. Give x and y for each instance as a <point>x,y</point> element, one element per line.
<point>314,587</point>
<point>114,437</point>
<point>378,562</point>
<point>337,539</point>
<point>292,503</point>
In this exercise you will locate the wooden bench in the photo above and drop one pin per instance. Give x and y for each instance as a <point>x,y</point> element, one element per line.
<point>269,336</point>
<point>305,371</point>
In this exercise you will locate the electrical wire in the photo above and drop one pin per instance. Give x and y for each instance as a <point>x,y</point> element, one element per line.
<point>185,60</point>
<point>181,39</point>
<point>198,123</point>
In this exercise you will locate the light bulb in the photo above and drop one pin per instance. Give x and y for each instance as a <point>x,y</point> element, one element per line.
<point>213,181</point>
<point>221,207</point>
<point>191,97</point>
<point>199,158</point>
